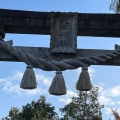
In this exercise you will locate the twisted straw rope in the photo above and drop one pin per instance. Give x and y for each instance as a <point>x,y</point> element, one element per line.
<point>65,64</point>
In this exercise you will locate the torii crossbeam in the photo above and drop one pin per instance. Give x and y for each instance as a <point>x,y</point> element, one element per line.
<point>63,29</point>
<point>32,22</point>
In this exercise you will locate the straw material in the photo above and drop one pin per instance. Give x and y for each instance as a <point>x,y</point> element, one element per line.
<point>58,85</point>
<point>83,83</point>
<point>29,79</point>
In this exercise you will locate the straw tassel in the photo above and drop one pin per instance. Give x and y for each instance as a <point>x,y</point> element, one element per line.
<point>58,85</point>
<point>83,83</point>
<point>29,79</point>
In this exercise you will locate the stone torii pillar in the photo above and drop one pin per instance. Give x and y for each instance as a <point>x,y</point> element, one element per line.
<point>63,53</point>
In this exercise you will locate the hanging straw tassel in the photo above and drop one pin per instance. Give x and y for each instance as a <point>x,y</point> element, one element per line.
<point>29,79</point>
<point>83,83</point>
<point>58,85</point>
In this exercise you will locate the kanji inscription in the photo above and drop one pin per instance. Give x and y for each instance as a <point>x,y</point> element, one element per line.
<point>63,32</point>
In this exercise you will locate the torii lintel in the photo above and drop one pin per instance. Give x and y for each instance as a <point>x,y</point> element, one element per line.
<point>63,54</point>
<point>32,22</point>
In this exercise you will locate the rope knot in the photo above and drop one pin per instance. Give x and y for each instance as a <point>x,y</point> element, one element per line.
<point>85,68</point>
<point>59,72</point>
<point>29,67</point>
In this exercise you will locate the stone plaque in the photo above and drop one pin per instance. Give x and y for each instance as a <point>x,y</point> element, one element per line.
<point>63,32</point>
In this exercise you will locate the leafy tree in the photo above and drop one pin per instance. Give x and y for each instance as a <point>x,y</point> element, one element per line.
<point>14,114</point>
<point>35,110</point>
<point>83,107</point>
<point>115,5</point>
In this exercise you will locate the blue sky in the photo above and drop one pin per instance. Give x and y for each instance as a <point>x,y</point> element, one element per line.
<point>106,77</point>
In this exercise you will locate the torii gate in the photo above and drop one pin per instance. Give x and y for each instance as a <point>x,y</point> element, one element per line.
<point>63,54</point>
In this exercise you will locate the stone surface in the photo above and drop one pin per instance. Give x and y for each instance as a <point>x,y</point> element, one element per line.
<point>46,54</point>
<point>89,24</point>
<point>2,32</point>
<point>39,23</point>
<point>63,32</point>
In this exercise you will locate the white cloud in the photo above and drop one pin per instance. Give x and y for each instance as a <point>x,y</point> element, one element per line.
<point>91,70</point>
<point>16,76</point>
<point>101,84</point>
<point>11,84</point>
<point>118,102</point>
<point>115,91</point>
<point>106,95</point>
<point>107,110</point>
<point>67,98</point>
<point>70,93</point>
<point>109,98</point>
<point>112,92</point>
<point>45,80</point>
<point>10,88</point>
<point>35,91</point>
<point>105,100</point>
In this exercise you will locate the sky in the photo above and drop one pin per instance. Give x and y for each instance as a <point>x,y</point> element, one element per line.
<point>106,77</point>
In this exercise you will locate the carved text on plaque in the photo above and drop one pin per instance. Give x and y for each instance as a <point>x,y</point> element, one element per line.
<point>63,32</point>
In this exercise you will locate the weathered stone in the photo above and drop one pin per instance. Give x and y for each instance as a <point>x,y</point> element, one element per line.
<point>63,32</point>
<point>2,32</point>
<point>31,22</point>
<point>46,54</point>
<point>39,23</point>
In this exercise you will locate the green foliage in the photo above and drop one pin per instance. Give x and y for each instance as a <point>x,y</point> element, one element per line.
<point>83,107</point>
<point>35,110</point>
<point>70,111</point>
<point>44,109</point>
<point>115,5</point>
<point>14,114</point>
